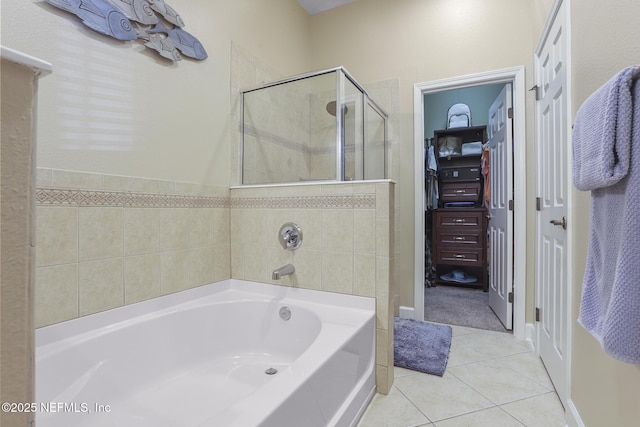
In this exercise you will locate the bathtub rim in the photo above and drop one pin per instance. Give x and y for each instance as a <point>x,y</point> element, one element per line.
<point>113,317</point>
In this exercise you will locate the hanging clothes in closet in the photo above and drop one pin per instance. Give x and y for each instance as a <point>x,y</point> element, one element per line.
<point>430,202</point>
<point>431,176</point>
<point>486,192</point>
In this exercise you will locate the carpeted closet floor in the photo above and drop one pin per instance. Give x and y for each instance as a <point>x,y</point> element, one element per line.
<point>460,305</point>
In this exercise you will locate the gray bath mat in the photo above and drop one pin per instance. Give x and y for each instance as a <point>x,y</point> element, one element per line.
<point>421,346</point>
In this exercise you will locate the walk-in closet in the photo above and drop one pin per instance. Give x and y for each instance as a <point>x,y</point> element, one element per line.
<point>458,212</point>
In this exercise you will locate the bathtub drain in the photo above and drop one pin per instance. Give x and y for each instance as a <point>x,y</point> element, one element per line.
<point>271,371</point>
<point>285,313</point>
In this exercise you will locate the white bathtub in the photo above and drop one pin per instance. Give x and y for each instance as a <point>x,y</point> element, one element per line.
<point>198,358</point>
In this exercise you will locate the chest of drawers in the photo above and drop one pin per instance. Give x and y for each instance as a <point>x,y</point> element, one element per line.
<point>460,242</point>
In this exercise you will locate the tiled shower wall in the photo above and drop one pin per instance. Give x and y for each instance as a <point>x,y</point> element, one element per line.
<point>103,241</point>
<point>347,245</point>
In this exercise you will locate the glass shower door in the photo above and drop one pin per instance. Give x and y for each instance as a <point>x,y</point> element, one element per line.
<point>375,149</point>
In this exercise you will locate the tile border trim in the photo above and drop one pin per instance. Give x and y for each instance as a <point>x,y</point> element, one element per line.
<point>95,198</point>
<point>358,201</point>
<point>98,198</point>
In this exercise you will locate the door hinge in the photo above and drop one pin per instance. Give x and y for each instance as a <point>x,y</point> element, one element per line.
<point>537,314</point>
<point>538,204</point>
<point>510,113</point>
<point>511,204</point>
<point>537,89</point>
<point>510,297</point>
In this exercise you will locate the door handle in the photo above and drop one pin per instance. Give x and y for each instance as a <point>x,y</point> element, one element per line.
<point>561,222</point>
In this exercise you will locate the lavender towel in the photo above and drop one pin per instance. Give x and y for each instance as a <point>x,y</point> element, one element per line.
<point>606,148</point>
<point>602,134</point>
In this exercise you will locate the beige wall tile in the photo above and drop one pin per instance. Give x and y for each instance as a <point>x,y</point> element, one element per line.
<point>141,231</point>
<point>254,226</point>
<point>201,227</point>
<point>222,227</point>
<point>174,271</point>
<point>76,180</point>
<point>141,278</point>
<point>140,185</point>
<point>304,190</point>
<point>56,235</point>
<point>337,189</point>
<point>201,266</point>
<point>236,225</point>
<point>390,375</point>
<point>256,264</point>
<point>364,274</point>
<point>308,263</point>
<point>382,200</point>
<point>382,347</point>
<point>174,229</point>
<point>310,221</point>
<point>382,311</point>
<point>43,177</point>
<point>337,230</point>
<point>166,187</point>
<point>221,262</point>
<point>101,285</point>
<point>364,188</point>
<point>56,294</point>
<point>337,272</point>
<point>383,386</point>
<point>364,226</point>
<point>237,261</point>
<point>188,188</point>
<point>164,249</point>
<point>383,237</point>
<point>383,275</point>
<point>100,233</point>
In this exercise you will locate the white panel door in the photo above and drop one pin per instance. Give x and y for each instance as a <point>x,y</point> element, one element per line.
<point>500,228</point>
<point>551,239</point>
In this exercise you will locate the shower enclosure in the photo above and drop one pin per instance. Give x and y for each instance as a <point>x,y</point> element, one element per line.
<point>312,127</point>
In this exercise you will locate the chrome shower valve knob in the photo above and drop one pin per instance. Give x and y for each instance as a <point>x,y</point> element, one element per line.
<point>290,236</point>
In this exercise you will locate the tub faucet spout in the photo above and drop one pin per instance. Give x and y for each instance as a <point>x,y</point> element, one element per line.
<point>283,271</point>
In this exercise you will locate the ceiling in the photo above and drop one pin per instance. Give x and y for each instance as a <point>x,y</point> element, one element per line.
<point>318,6</point>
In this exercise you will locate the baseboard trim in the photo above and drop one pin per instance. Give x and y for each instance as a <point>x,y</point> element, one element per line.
<point>407,312</point>
<point>530,336</point>
<point>572,416</point>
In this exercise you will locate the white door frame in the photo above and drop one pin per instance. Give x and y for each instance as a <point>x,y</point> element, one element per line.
<point>515,76</point>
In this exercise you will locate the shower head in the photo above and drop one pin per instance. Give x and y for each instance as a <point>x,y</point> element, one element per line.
<point>331,108</point>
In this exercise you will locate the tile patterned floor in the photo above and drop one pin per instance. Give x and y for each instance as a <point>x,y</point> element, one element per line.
<point>492,380</point>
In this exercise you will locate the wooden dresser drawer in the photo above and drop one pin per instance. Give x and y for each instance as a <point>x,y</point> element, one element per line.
<point>460,256</point>
<point>459,237</point>
<point>459,218</point>
<point>460,192</point>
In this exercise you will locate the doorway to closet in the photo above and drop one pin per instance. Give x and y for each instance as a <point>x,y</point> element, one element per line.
<point>506,282</point>
<point>465,134</point>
